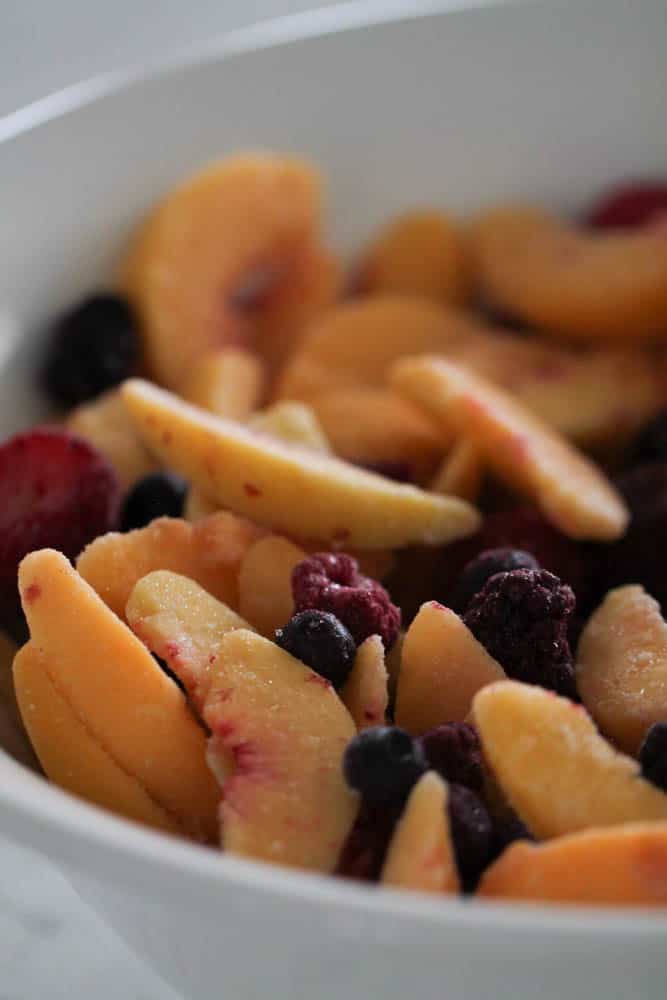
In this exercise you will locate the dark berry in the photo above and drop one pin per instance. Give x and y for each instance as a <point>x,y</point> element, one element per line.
<point>321,641</point>
<point>653,755</point>
<point>331,581</point>
<point>93,347</point>
<point>57,492</point>
<point>383,763</point>
<point>482,567</point>
<point>472,833</point>
<point>399,471</point>
<point>454,751</point>
<point>651,445</point>
<point>366,846</point>
<point>629,205</point>
<point>160,494</point>
<point>522,618</point>
<point>506,829</point>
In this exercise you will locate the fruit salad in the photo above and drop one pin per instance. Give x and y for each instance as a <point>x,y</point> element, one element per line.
<point>356,567</point>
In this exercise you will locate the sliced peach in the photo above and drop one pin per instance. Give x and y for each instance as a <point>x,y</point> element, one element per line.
<point>443,666</point>
<point>117,692</point>
<point>292,422</point>
<point>265,583</point>
<point>553,766</point>
<point>13,738</point>
<point>523,451</point>
<point>376,427</point>
<point>620,866</point>
<point>182,623</point>
<point>461,472</point>
<point>106,424</point>
<point>209,551</point>
<point>573,282</point>
<point>365,693</point>
<point>247,220</point>
<point>622,666</point>
<point>286,730</point>
<point>198,506</point>
<point>422,252</point>
<point>420,854</point>
<point>229,381</point>
<point>293,490</point>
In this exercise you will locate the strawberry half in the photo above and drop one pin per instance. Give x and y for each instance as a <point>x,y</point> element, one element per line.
<point>56,491</point>
<point>630,205</point>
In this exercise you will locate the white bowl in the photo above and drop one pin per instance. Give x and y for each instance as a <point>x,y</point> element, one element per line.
<point>458,107</point>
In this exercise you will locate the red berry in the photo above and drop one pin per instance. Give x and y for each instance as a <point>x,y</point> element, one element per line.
<point>454,751</point>
<point>629,205</point>
<point>57,492</point>
<point>331,581</point>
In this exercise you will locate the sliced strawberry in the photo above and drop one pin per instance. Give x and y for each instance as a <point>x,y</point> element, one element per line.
<point>56,491</point>
<point>629,205</point>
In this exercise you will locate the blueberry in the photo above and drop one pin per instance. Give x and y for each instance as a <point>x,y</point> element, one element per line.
<point>93,348</point>
<point>651,445</point>
<point>383,764</point>
<point>472,833</point>
<point>321,641</point>
<point>653,755</point>
<point>454,751</point>
<point>160,494</point>
<point>483,567</point>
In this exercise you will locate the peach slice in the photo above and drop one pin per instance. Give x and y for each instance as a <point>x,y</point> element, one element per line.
<point>13,737</point>
<point>265,583</point>
<point>245,221</point>
<point>461,472</point>
<point>620,866</point>
<point>443,666</point>
<point>229,382</point>
<point>622,666</point>
<point>293,490</point>
<point>553,766</point>
<point>419,253</point>
<point>198,506</point>
<point>292,422</point>
<point>523,451</point>
<point>365,693</point>
<point>106,424</point>
<point>112,685</point>
<point>576,283</point>
<point>209,551</point>
<point>182,623</point>
<point>420,854</point>
<point>286,800</point>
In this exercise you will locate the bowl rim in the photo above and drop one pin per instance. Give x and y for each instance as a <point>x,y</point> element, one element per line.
<point>64,827</point>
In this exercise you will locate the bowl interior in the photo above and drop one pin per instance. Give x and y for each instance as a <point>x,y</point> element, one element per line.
<point>456,108</point>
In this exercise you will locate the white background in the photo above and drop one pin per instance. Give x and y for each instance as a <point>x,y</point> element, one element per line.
<point>52,947</point>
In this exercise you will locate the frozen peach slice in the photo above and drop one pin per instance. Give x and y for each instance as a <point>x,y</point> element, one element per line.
<point>13,737</point>
<point>422,252</point>
<point>265,583</point>
<point>443,666</point>
<point>291,489</point>
<point>209,551</point>
<point>574,282</point>
<point>117,691</point>
<point>229,382</point>
<point>292,422</point>
<point>74,758</point>
<point>365,693</point>
<point>183,624</point>
<point>198,506</point>
<point>356,342</point>
<point>106,424</point>
<point>622,666</point>
<point>420,854</point>
<point>286,729</point>
<point>620,866</point>
<point>461,472</point>
<point>523,451</point>
<point>553,766</point>
<point>236,230</point>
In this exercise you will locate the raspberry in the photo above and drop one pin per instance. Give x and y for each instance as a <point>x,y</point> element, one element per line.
<point>482,567</point>
<point>653,755</point>
<point>521,618</point>
<point>366,846</point>
<point>383,763</point>
<point>454,751</point>
<point>94,347</point>
<point>58,492</point>
<point>330,581</point>
<point>160,494</point>
<point>630,205</point>
<point>472,832</point>
<point>507,829</point>
<point>318,639</point>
